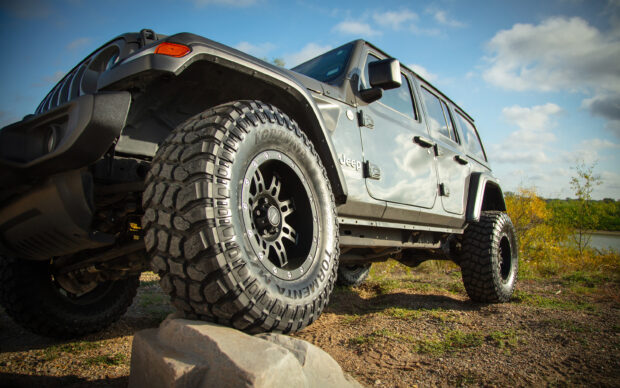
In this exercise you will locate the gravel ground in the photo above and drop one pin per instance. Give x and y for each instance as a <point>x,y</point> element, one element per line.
<point>396,330</point>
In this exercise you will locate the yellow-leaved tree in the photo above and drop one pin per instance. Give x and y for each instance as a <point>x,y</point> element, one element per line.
<point>539,237</point>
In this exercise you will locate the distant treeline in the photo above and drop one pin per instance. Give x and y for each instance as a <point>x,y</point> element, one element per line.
<point>606,213</point>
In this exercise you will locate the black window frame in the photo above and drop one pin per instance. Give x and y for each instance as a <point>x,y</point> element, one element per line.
<point>466,118</point>
<point>448,119</point>
<point>414,105</point>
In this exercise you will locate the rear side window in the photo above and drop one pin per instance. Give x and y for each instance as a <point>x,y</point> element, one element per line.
<point>399,99</point>
<point>439,118</point>
<point>471,138</point>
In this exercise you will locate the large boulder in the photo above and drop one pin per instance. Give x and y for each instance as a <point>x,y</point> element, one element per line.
<point>184,353</point>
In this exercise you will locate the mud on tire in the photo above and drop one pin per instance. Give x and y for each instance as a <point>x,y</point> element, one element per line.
<point>31,296</point>
<point>240,220</point>
<point>489,260</point>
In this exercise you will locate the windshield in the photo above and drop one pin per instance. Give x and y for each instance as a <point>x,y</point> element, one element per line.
<point>326,67</point>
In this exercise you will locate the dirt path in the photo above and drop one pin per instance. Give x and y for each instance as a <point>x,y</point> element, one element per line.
<point>396,330</point>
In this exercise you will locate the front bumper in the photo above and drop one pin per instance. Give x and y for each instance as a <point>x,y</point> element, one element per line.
<point>71,136</point>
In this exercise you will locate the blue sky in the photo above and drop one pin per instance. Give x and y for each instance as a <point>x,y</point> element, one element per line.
<point>541,78</point>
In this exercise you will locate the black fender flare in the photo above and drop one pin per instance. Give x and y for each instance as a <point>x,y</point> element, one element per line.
<point>485,193</point>
<point>206,50</point>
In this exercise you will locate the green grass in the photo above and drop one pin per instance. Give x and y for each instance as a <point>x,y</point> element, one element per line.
<point>403,313</point>
<point>452,341</point>
<point>503,339</point>
<point>590,280</point>
<point>574,327</point>
<point>155,303</point>
<point>411,314</point>
<point>352,319</point>
<point>551,303</point>
<point>107,359</point>
<point>53,352</point>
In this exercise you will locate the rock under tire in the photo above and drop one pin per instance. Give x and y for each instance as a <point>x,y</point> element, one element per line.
<point>30,296</point>
<point>207,180</point>
<point>489,259</point>
<point>352,275</point>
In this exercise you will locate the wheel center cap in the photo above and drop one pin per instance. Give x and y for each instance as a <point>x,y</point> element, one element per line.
<point>273,215</point>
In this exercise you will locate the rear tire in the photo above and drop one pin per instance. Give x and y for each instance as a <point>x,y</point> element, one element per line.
<point>240,220</point>
<point>352,275</point>
<point>489,260</point>
<point>31,296</point>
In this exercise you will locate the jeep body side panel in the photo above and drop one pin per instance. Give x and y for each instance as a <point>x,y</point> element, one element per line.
<point>407,171</point>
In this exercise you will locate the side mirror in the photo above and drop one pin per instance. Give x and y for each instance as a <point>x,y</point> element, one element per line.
<point>384,75</point>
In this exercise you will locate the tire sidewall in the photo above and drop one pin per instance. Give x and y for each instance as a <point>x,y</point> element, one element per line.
<point>505,229</point>
<point>275,137</point>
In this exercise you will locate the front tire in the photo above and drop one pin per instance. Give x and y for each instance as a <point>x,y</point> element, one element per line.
<point>240,220</point>
<point>489,261</point>
<point>34,299</point>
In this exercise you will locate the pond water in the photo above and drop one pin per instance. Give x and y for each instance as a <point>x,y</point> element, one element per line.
<point>605,241</point>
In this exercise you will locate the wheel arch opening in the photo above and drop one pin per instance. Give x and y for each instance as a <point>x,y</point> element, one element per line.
<point>162,101</point>
<point>493,198</point>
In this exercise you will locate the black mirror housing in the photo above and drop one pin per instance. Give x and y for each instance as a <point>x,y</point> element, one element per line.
<point>371,95</point>
<point>384,74</point>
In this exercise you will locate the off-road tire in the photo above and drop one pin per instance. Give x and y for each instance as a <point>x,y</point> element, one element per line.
<point>352,275</point>
<point>489,260</point>
<point>34,300</point>
<point>199,231</point>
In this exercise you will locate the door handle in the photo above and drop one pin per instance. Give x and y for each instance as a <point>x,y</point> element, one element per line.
<point>423,142</point>
<point>461,160</point>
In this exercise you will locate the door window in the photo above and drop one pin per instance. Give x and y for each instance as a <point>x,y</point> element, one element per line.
<point>399,98</point>
<point>440,120</point>
<point>471,138</point>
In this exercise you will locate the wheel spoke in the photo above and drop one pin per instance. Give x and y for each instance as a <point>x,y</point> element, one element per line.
<point>258,182</point>
<point>274,188</point>
<point>278,248</point>
<point>288,232</point>
<point>286,207</point>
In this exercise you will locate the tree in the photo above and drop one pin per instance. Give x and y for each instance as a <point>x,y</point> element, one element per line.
<point>538,235</point>
<point>583,215</point>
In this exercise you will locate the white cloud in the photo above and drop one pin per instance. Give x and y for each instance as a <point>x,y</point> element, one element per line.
<point>349,27</point>
<point>536,118</point>
<point>526,156</point>
<point>557,54</point>
<point>442,18</point>
<point>599,144</point>
<point>423,72</point>
<point>309,51</point>
<point>258,50</point>
<point>394,19</point>
<point>78,43</point>
<point>529,144</point>
<point>233,3</point>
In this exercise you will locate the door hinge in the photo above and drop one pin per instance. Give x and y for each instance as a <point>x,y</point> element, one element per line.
<point>364,120</point>
<point>444,191</point>
<point>371,171</point>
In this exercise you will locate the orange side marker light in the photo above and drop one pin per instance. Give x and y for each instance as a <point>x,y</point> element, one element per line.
<point>172,49</point>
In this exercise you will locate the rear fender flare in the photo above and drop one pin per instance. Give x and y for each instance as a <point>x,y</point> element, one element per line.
<point>485,193</point>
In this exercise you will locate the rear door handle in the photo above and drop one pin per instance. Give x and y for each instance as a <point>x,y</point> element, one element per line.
<point>423,142</point>
<point>461,160</point>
